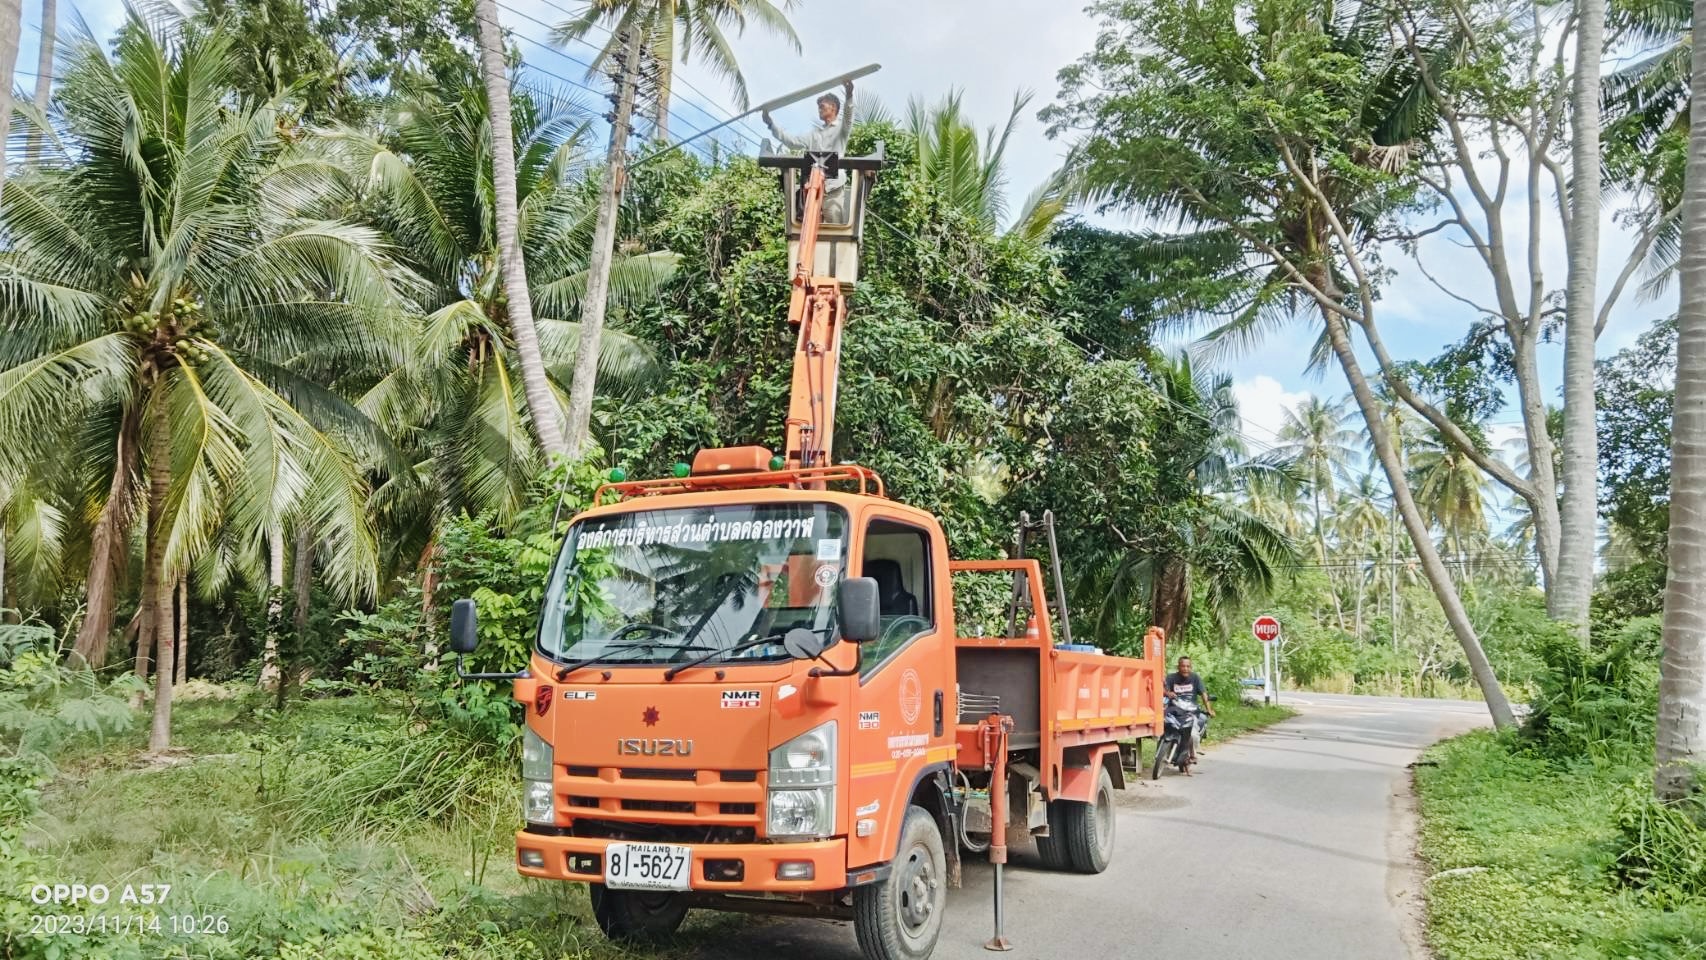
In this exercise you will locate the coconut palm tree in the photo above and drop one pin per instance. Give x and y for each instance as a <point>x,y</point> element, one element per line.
<point>429,176</point>
<point>1314,438</point>
<point>166,265</point>
<point>692,27</point>
<point>545,411</point>
<point>1449,488</point>
<point>1680,742</point>
<point>1209,129</point>
<point>972,178</point>
<point>1217,550</point>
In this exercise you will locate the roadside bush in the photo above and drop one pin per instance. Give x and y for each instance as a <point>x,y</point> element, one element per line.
<point>1663,845</point>
<point>384,775</point>
<point>44,702</point>
<point>1595,702</point>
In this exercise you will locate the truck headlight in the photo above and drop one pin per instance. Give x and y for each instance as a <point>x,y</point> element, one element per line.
<point>536,805</point>
<point>802,786</point>
<point>535,756</point>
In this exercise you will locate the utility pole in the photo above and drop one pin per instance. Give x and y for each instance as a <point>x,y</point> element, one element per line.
<point>625,74</point>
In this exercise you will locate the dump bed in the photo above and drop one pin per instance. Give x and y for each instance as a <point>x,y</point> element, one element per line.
<point>1059,700</point>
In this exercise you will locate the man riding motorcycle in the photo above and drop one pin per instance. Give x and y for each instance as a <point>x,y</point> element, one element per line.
<point>1186,686</point>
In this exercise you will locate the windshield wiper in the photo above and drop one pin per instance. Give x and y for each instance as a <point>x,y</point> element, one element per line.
<point>620,632</point>
<point>564,671</point>
<point>721,652</point>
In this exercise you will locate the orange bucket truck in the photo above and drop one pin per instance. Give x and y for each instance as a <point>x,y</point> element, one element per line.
<point>748,691</point>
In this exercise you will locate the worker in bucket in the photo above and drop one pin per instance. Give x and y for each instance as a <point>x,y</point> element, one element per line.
<point>835,116</point>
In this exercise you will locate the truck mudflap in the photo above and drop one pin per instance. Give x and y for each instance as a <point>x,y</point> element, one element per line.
<point>1078,775</point>
<point>818,865</point>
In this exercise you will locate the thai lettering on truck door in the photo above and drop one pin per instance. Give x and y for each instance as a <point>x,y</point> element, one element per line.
<point>900,725</point>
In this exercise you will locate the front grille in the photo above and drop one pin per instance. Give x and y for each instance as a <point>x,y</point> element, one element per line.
<point>660,832</point>
<point>693,800</point>
<point>660,806</point>
<point>641,773</point>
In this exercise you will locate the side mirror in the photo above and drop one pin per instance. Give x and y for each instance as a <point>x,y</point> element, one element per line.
<point>464,626</point>
<point>861,616</point>
<point>803,644</point>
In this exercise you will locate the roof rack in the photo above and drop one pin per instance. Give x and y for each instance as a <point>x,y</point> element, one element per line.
<point>870,484</point>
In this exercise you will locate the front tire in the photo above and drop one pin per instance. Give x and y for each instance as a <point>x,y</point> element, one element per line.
<point>1163,749</point>
<point>1090,828</point>
<point>637,915</point>
<point>900,917</point>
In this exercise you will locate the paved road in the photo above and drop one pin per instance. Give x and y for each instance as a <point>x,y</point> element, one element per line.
<point>1291,843</point>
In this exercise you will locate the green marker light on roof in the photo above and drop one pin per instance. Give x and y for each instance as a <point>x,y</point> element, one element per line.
<point>618,475</point>
<point>681,470</point>
<point>777,463</point>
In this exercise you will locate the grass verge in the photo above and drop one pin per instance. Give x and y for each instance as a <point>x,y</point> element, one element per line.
<point>294,837</point>
<point>1520,851</point>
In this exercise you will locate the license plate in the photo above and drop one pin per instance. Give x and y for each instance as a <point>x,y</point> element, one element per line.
<point>647,866</point>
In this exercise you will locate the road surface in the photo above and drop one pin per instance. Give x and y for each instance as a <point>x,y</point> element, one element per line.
<point>1289,843</point>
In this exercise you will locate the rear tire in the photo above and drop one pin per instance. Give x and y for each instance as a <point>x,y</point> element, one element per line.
<point>900,917</point>
<point>1090,828</point>
<point>637,915</point>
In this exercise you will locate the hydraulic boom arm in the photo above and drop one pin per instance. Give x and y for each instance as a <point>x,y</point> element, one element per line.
<point>818,308</point>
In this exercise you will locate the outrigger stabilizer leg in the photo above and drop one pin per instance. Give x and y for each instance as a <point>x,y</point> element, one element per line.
<point>995,730</point>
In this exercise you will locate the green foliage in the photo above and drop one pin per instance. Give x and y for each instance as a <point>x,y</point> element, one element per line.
<point>1598,701</point>
<point>1542,841</point>
<point>1663,848</point>
<point>44,703</point>
<point>1633,392</point>
<point>1625,593</point>
<point>386,774</point>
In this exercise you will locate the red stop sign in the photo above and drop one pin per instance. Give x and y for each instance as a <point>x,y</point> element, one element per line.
<point>1265,629</point>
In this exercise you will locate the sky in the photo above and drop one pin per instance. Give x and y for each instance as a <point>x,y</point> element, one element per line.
<point>990,50</point>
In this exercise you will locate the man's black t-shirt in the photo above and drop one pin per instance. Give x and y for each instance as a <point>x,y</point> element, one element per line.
<point>1188,689</point>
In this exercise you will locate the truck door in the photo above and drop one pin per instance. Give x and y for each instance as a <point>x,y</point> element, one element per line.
<point>901,727</point>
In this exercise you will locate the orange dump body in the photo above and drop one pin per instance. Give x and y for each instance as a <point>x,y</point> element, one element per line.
<point>1071,707</point>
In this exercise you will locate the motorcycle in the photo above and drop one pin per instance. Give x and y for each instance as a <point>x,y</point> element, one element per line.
<point>1180,738</point>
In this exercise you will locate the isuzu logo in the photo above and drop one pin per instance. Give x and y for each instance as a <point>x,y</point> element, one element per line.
<point>653,747</point>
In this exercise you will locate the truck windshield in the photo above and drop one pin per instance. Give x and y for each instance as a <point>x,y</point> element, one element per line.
<point>662,586</point>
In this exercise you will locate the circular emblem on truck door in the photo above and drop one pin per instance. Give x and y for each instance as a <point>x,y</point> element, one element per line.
<point>911,696</point>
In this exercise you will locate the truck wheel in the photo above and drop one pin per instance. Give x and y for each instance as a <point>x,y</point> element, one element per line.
<point>1052,848</point>
<point>636,914</point>
<point>900,917</point>
<point>1089,827</point>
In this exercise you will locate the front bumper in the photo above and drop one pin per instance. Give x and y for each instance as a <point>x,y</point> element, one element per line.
<point>582,858</point>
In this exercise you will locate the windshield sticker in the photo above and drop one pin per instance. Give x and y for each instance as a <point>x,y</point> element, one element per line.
<point>825,575</point>
<point>739,699</point>
<point>580,694</point>
<point>870,719</point>
<point>711,531</point>
<point>829,549</point>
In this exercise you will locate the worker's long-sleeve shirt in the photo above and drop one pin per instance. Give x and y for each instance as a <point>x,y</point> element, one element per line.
<point>825,137</point>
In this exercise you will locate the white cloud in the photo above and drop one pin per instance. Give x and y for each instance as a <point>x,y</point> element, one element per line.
<point>1262,404</point>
